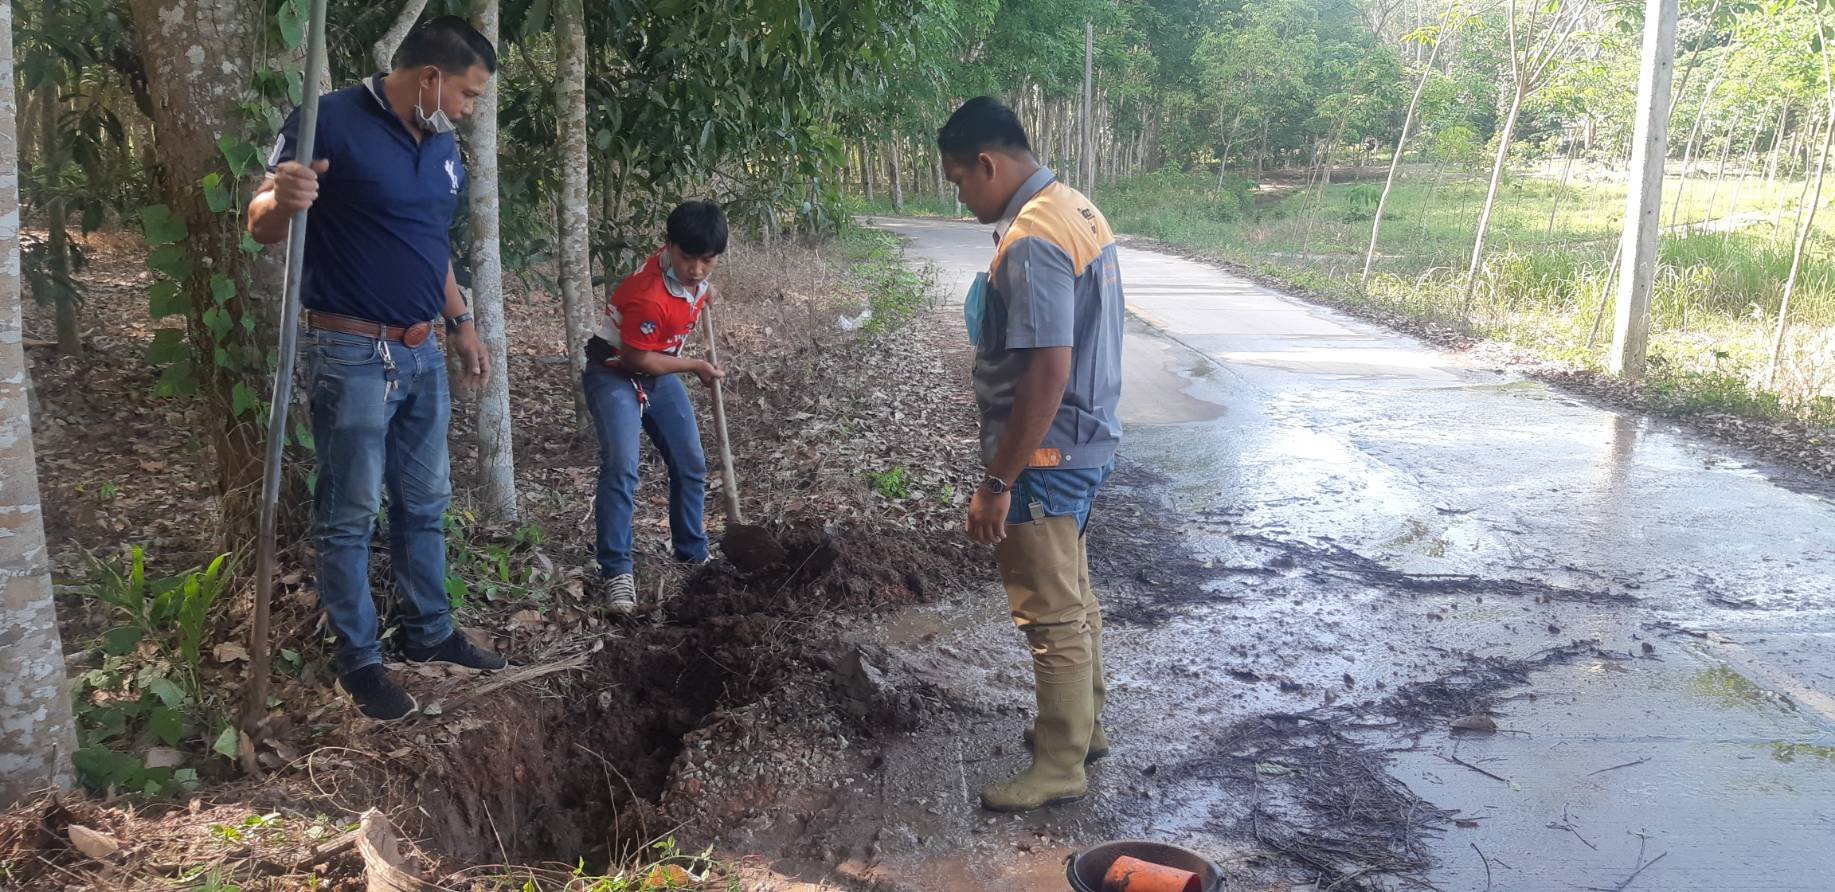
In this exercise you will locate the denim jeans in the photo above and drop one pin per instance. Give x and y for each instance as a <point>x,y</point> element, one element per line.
<point>370,435</point>
<point>1039,493</point>
<point>670,422</point>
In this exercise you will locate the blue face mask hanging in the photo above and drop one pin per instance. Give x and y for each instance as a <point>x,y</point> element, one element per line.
<point>974,306</point>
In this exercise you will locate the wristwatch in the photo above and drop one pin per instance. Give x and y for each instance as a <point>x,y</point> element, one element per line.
<point>995,485</point>
<point>453,323</point>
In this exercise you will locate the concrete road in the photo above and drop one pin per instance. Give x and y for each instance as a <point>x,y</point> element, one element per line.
<point>1329,475</point>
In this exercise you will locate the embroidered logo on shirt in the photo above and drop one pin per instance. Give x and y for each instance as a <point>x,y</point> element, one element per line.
<point>452,173</point>
<point>648,328</point>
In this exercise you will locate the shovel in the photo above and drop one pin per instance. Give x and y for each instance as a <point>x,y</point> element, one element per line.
<point>750,548</point>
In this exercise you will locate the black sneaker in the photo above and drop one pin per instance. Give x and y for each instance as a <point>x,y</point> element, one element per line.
<point>377,695</point>
<point>459,651</point>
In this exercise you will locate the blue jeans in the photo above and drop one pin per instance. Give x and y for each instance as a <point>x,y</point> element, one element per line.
<point>1039,493</point>
<point>369,435</point>
<point>669,420</point>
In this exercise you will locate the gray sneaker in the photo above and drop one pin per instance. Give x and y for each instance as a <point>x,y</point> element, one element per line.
<point>619,594</point>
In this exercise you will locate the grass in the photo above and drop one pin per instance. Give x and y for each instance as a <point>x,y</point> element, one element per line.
<point>896,292</point>
<point>1714,306</point>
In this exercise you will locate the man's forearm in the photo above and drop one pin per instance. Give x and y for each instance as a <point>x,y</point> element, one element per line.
<point>649,362</point>
<point>1035,403</point>
<point>455,299</point>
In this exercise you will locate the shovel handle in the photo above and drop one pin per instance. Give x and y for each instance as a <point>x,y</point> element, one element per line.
<point>728,483</point>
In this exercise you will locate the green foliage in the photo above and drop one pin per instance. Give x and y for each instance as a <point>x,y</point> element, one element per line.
<point>890,483</point>
<point>146,691</point>
<point>171,613</point>
<point>495,565</point>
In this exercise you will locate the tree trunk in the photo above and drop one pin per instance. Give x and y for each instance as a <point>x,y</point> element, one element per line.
<point>1739,185</point>
<point>1484,216</point>
<point>1688,152</point>
<point>1720,176</point>
<point>1777,141</point>
<point>37,734</point>
<point>1637,252</point>
<point>1395,163</point>
<point>496,458</point>
<point>1809,218</point>
<point>898,182</point>
<point>866,170</point>
<point>1816,127</point>
<point>198,72</point>
<point>1554,209</point>
<point>57,239</point>
<point>383,53</point>
<point>576,240</point>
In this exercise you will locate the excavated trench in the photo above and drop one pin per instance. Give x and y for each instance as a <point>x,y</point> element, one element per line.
<point>578,770</point>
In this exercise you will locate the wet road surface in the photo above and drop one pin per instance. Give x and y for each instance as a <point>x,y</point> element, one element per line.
<point>1368,515</point>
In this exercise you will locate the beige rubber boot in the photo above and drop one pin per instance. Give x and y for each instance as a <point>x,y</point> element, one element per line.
<point>1063,732</point>
<point>1099,740</point>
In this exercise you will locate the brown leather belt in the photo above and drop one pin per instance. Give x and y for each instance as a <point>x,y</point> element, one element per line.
<point>412,336</point>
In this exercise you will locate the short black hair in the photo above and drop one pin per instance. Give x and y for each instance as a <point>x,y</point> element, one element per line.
<point>448,42</point>
<point>982,124</point>
<point>698,228</point>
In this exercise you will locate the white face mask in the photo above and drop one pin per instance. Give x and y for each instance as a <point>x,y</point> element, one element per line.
<point>437,122</point>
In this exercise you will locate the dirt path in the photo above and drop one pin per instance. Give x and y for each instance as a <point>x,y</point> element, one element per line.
<point>1332,542</point>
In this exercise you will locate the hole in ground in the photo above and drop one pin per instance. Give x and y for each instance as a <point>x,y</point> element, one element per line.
<point>546,774</point>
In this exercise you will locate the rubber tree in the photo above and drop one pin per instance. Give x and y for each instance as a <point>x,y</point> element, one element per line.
<point>1438,37</point>
<point>200,70</point>
<point>1534,61</point>
<point>576,226</point>
<point>37,734</point>
<point>1809,216</point>
<point>496,457</point>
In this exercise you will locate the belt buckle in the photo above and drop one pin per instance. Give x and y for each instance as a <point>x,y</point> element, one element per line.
<point>416,334</point>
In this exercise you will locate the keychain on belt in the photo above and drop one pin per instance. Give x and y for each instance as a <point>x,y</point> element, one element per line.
<point>389,373</point>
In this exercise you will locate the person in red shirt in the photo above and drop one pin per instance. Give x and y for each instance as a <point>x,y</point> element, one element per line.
<point>632,382</point>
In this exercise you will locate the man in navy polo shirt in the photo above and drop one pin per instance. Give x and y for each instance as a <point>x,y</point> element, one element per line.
<point>381,192</point>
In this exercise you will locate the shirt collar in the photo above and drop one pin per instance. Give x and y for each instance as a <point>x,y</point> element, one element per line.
<point>375,85</point>
<point>1031,187</point>
<point>674,285</point>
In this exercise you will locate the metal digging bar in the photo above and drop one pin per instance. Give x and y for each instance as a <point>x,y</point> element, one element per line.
<point>255,710</point>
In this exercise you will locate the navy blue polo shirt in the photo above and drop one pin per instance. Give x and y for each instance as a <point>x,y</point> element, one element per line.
<point>377,238</point>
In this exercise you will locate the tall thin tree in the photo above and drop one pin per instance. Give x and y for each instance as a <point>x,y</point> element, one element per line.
<point>37,734</point>
<point>496,457</point>
<point>576,233</point>
<point>1532,64</point>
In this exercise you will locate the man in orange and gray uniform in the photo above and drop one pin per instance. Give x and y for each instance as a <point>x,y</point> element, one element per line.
<point>1046,321</point>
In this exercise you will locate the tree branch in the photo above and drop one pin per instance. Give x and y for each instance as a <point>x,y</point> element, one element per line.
<point>384,51</point>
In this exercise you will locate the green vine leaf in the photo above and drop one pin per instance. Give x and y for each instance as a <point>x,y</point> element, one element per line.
<point>243,399</point>
<point>222,289</point>
<point>215,195</point>
<point>170,262</point>
<point>241,156</point>
<point>292,21</point>
<point>179,379</point>
<point>168,347</point>
<point>219,322</point>
<point>161,226</point>
<point>165,299</point>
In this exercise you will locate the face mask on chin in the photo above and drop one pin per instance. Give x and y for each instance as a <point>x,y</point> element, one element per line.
<point>437,122</point>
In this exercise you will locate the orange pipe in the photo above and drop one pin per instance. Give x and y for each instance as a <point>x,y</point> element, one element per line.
<point>1130,874</point>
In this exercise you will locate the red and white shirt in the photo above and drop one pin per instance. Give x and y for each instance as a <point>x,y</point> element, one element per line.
<point>652,310</point>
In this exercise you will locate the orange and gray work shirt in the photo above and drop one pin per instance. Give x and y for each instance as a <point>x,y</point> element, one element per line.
<point>1055,282</point>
